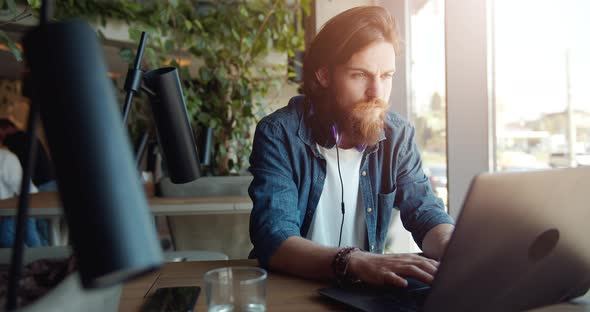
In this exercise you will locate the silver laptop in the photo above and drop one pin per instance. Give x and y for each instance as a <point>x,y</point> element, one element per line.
<point>522,241</point>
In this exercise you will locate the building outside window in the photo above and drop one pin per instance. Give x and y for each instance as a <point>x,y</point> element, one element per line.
<point>540,72</point>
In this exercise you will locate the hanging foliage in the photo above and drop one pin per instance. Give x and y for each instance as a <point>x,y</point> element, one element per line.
<point>229,39</point>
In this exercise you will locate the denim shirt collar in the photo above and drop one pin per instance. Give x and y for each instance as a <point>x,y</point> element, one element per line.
<point>304,132</point>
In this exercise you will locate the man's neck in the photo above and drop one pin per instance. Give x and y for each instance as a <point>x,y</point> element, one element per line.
<point>330,116</point>
<point>346,142</point>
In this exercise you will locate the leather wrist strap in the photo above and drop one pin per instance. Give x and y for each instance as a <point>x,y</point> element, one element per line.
<point>340,266</point>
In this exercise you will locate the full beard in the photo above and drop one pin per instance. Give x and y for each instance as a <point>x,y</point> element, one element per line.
<point>365,121</point>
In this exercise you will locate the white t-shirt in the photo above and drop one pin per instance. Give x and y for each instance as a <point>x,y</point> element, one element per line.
<point>325,225</point>
<point>11,174</point>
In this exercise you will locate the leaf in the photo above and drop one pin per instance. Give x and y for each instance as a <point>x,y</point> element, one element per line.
<point>243,11</point>
<point>165,16</point>
<point>127,55</point>
<point>235,34</point>
<point>130,6</point>
<point>34,4</point>
<point>213,123</point>
<point>134,33</point>
<point>204,118</point>
<point>153,59</point>
<point>204,74</point>
<point>198,24</point>
<point>15,51</point>
<point>168,45</point>
<point>222,150</point>
<point>11,46</point>
<point>188,25</point>
<point>277,84</point>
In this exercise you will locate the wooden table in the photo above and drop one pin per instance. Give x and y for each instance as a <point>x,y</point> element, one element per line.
<point>283,292</point>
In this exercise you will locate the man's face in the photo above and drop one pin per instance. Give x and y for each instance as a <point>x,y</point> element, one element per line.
<point>360,91</point>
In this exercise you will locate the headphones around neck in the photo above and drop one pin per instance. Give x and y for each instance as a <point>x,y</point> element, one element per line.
<point>325,131</point>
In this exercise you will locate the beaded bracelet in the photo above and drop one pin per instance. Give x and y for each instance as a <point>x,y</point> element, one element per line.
<point>340,266</point>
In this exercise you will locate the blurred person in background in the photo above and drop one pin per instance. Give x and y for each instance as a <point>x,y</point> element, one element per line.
<point>10,182</point>
<point>14,139</point>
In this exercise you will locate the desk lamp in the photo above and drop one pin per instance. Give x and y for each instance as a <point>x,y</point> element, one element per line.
<point>113,236</point>
<point>173,127</point>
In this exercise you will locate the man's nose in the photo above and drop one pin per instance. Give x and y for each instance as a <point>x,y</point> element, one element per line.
<point>375,88</point>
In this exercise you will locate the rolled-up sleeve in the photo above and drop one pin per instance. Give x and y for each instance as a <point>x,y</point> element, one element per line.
<point>274,216</point>
<point>420,209</point>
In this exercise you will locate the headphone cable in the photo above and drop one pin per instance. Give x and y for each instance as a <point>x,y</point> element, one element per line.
<point>342,194</point>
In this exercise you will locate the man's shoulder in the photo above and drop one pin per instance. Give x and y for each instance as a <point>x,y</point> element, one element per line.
<point>288,116</point>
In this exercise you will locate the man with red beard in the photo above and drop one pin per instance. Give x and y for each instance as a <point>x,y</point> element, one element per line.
<point>330,167</point>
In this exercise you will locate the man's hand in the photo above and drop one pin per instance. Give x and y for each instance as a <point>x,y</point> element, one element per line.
<point>391,269</point>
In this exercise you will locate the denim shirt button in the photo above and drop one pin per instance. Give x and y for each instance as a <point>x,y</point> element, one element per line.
<point>369,210</point>
<point>372,247</point>
<point>364,173</point>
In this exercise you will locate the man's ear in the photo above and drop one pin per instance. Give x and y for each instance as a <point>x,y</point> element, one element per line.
<point>323,76</point>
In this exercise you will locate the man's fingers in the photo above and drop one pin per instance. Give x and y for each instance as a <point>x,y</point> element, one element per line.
<point>415,272</point>
<point>418,257</point>
<point>426,266</point>
<point>391,278</point>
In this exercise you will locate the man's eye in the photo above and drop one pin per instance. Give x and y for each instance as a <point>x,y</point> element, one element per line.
<point>359,75</point>
<point>387,76</point>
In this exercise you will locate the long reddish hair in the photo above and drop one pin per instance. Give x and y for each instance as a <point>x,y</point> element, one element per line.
<point>341,37</point>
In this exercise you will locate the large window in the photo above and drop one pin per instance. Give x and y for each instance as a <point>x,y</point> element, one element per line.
<point>427,88</point>
<point>541,61</point>
<point>424,53</point>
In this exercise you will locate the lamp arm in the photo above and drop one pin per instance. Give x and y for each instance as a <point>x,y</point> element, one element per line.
<point>134,78</point>
<point>147,90</point>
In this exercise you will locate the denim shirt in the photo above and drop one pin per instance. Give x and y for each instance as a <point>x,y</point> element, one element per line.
<point>289,177</point>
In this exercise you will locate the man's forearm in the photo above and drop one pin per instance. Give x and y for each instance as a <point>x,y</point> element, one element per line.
<point>301,257</point>
<point>436,240</point>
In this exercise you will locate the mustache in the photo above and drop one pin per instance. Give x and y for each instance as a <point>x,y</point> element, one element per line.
<point>376,106</point>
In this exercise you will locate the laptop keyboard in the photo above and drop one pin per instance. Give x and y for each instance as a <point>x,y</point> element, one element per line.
<point>381,299</point>
<point>408,301</point>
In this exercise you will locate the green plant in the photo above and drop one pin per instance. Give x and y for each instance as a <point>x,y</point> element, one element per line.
<point>9,8</point>
<point>230,39</point>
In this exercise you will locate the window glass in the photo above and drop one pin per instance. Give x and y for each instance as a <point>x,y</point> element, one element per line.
<point>541,61</point>
<point>427,88</point>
